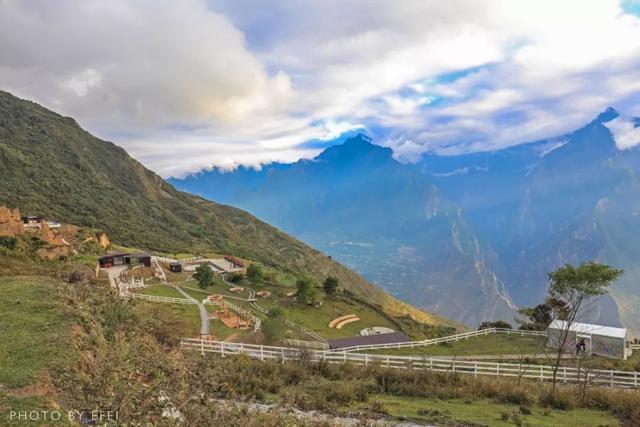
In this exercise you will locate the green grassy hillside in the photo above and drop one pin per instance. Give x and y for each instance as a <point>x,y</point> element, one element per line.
<point>51,166</point>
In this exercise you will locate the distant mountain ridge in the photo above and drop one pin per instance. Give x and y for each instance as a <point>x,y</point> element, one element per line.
<point>470,236</point>
<point>51,166</point>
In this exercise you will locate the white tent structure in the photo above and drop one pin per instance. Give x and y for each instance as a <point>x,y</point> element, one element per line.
<point>600,340</point>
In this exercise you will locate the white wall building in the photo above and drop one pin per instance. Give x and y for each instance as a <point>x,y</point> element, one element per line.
<point>599,340</point>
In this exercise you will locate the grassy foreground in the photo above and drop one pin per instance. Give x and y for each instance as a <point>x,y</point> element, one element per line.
<point>107,353</point>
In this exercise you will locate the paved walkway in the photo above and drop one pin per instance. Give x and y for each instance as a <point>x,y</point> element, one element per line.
<point>114,273</point>
<point>204,314</point>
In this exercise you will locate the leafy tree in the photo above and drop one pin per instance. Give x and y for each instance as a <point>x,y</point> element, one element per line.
<point>305,291</point>
<point>536,318</point>
<point>330,285</point>
<point>255,273</point>
<point>204,276</point>
<point>575,286</point>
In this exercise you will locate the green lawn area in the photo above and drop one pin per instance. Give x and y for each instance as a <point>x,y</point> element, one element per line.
<point>189,313</point>
<point>486,413</point>
<point>35,332</point>
<point>317,319</point>
<point>159,290</point>
<point>35,336</point>
<point>482,345</point>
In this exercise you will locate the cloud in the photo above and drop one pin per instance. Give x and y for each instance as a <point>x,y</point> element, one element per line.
<point>190,84</point>
<point>625,131</point>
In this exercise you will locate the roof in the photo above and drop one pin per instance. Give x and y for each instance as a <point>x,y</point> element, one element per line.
<point>118,254</point>
<point>140,254</point>
<point>393,337</point>
<point>111,254</point>
<point>590,329</point>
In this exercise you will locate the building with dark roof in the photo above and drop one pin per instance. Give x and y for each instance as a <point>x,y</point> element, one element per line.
<point>391,338</point>
<point>120,258</point>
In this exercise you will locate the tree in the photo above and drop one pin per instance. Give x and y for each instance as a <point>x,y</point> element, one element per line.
<point>304,288</point>
<point>330,285</point>
<point>254,273</point>
<point>537,318</point>
<point>575,286</point>
<point>204,276</point>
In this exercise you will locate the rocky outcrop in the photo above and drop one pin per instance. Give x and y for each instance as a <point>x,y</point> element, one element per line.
<point>103,240</point>
<point>10,222</point>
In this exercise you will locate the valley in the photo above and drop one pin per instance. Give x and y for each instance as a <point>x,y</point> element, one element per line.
<point>469,237</point>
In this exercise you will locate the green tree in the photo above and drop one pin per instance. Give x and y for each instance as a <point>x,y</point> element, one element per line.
<point>254,273</point>
<point>204,276</point>
<point>330,285</point>
<point>304,288</point>
<point>535,318</point>
<point>575,286</point>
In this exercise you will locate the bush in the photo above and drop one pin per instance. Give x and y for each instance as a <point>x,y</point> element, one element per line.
<point>8,242</point>
<point>235,278</point>
<point>497,324</point>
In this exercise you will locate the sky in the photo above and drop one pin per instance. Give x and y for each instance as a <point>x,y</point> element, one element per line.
<point>191,84</point>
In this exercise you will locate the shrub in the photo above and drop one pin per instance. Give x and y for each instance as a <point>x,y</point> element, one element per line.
<point>8,242</point>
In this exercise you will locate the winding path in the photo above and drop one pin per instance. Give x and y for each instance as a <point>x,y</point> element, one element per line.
<point>204,314</point>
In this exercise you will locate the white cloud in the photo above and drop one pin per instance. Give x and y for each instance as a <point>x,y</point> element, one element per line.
<point>184,85</point>
<point>625,133</point>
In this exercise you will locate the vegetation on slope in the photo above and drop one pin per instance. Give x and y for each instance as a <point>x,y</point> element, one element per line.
<point>122,355</point>
<point>50,166</point>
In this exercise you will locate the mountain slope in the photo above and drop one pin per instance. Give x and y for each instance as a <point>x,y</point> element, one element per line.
<point>385,219</point>
<point>50,166</point>
<point>567,199</point>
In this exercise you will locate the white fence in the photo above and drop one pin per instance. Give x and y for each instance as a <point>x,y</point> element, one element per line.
<point>316,345</point>
<point>182,261</point>
<point>625,379</point>
<point>156,298</point>
<point>449,338</point>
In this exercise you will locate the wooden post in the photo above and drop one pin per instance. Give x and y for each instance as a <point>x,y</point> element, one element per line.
<point>611,377</point>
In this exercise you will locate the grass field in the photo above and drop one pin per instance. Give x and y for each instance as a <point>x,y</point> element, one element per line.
<point>35,337</point>
<point>485,413</point>
<point>159,290</point>
<point>35,332</point>
<point>189,313</point>
<point>490,344</point>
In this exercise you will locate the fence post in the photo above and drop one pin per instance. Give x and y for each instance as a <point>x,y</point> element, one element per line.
<point>475,369</point>
<point>635,379</point>
<point>262,353</point>
<point>202,347</point>
<point>564,374</point>
<point>222,348</point>
<point>388,364</point>
<point>541,373</point>
<point>611,377</point>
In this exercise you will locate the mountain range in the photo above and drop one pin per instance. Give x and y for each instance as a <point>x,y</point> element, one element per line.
<point>471,237</point>
<point>50,166</point>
